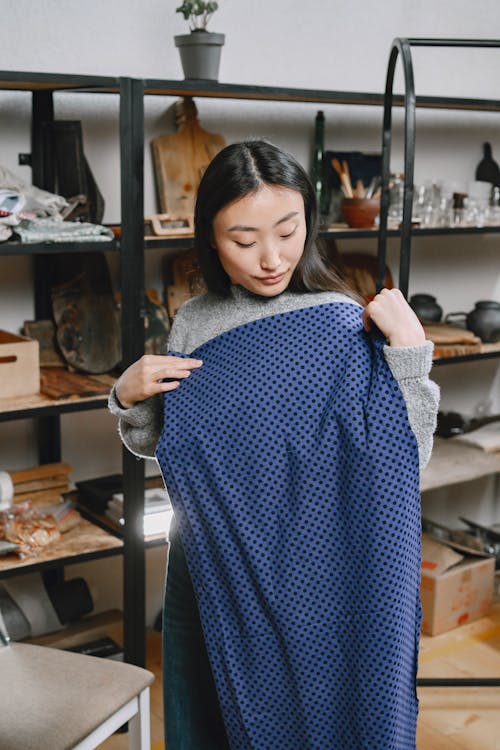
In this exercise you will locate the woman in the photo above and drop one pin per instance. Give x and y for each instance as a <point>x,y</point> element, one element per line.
<point>290,437</point>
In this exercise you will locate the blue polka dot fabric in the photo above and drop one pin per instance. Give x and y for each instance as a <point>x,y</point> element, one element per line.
<point>294,476</point>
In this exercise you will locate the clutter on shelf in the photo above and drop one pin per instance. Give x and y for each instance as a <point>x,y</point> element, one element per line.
<point>456,584</point>
<point>31,606</point>
<point>33,510</point>
<point>158,512</point>
<point>170,225</point>
<point>103,498</point>
<point>19,365</point>
<point>451,423</point>
<point>353,176</point>
<point>461,333</point>
<point>35,215</point>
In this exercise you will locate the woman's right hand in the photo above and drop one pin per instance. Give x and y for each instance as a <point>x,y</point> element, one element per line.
<point>144,377</point>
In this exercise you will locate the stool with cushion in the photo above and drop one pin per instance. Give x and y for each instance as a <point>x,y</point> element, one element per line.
<point>58,700</point>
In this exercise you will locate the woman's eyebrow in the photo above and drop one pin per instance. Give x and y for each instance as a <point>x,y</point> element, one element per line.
<point>287,217</point>
<point>243,228</point>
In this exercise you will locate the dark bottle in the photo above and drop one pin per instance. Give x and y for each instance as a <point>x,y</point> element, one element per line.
<point>318,176</point>
<point>487,170</point>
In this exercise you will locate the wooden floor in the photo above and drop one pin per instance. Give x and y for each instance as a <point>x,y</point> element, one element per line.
<point>461,718</point>
<point>450,718</point>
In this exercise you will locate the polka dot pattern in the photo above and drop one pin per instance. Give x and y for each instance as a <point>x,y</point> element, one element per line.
<point>294,476</point>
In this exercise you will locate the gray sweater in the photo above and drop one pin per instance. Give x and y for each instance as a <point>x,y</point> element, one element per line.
<point>206,316</point>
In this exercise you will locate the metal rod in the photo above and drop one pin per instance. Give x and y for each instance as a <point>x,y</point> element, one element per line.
<point>458,682</point>
<point>386,160</point>
<point>421,42</point>
<point>399,47</point>
<point>409,161</point>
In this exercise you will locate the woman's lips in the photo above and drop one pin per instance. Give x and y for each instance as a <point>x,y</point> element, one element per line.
<point>272,279</point>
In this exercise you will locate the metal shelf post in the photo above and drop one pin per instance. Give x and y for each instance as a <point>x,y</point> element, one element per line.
<point>132,290</point>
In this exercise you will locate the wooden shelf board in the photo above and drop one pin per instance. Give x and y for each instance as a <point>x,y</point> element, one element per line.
<point>21,404</point>
<point>16,247</point>
<point>108,623</point>
<point>453,462</point>
<point>84,541</point>
<point>29,81</point>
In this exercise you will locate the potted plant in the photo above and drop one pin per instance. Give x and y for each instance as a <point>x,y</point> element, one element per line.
<point>200,49</point>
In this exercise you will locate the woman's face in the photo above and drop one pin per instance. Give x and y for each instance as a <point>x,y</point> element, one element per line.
<point>260,238</point>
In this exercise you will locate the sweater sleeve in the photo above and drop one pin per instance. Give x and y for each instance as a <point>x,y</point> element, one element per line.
<point>411,365</point>
<point>139,426</point>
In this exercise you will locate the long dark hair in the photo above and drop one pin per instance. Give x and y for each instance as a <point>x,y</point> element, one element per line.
<point>236,171</point>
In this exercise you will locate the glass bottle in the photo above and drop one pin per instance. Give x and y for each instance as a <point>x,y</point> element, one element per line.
<point>396,200</point>
<point>488,170</point>
<point>318,177</point>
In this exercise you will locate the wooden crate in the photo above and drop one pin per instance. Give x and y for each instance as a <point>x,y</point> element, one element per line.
<point>19,365</point>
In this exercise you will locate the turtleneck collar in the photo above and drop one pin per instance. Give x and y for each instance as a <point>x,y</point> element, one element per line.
<point>241,293</point>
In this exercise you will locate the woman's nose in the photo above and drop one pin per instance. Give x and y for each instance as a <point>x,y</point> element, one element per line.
<point>270,258</point>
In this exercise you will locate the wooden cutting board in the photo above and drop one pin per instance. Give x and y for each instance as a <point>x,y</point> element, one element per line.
<point>57,383</point>
<point>183,280</point>
<point>85,313</point>
<point>181,158</point>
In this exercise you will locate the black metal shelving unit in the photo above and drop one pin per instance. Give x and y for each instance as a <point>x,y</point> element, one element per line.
<point>47,416</point>
<point>132,244</point>
<point>402,48</point>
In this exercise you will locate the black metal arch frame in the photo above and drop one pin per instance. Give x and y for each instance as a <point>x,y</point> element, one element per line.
<point>403,47</point>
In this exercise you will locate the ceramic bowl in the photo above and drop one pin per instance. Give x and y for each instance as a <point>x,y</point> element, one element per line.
<point>360,213</point>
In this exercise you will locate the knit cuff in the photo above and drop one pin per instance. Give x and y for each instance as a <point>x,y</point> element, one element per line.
<point>137,415</point>
<point>410,361</point>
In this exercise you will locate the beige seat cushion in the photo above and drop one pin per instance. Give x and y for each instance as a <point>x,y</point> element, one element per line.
<point>52,699</point>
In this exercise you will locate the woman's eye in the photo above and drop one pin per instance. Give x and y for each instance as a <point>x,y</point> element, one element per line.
<point>285,236</point>
<point>243,244</point>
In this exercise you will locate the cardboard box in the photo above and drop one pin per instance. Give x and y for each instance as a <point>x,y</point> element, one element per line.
<point>456,585</point>
<point>19,365</point>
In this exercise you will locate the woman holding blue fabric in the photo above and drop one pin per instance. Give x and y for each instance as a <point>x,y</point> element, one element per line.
<point>290,425</point>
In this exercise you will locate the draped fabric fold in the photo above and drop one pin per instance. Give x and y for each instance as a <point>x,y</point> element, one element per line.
<point>294,476</point>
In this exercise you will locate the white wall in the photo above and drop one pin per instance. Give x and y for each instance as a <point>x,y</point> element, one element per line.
<point>318,44</point>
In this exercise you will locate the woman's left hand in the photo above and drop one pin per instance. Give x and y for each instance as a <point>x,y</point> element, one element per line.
<point>392,314</point>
